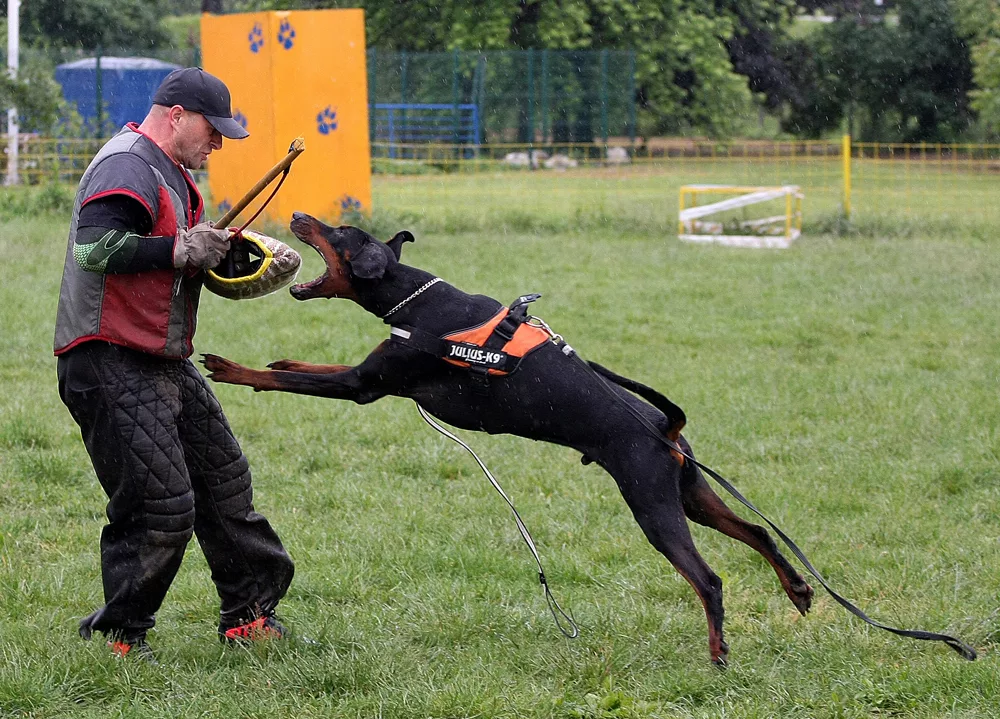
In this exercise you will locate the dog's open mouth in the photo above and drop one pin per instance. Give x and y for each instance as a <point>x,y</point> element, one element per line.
<point>305,228</point>
<point>307,290</point>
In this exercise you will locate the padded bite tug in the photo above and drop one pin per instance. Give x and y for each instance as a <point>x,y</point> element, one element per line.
<point>255,265</point>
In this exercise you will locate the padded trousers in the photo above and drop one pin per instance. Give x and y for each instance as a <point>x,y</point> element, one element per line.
<point>167,459</point>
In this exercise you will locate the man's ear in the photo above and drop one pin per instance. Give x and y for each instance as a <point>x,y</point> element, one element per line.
<point>175,113</point>
<point>396,243</point>
<point>369,264</point>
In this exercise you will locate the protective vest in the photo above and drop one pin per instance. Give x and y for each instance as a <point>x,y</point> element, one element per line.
<point>154,311</point>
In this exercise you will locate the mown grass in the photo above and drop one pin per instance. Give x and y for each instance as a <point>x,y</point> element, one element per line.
<point>887,198</point>
<point>848,386</point>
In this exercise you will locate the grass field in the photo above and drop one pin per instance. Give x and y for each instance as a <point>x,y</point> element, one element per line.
<point>848,385</point>
<point>888,197</point>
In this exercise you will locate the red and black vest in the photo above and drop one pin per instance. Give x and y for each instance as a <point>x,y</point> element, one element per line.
<point>155,311</point>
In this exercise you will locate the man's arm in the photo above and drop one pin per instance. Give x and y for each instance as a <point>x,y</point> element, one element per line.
<point>112,238</point>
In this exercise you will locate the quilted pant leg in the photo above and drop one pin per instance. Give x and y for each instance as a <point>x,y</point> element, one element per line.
<point>250,567</point>
<point>126,404</point>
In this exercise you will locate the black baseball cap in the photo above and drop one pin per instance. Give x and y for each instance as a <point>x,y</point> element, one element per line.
<point>194,89</point>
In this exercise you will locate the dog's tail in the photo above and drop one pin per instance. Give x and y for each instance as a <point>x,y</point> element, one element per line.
<point>675,415</point>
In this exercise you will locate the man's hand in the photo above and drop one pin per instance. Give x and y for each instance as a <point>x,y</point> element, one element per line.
<point>201,246</point>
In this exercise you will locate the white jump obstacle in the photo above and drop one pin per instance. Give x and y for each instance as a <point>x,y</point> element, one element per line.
<point>776,231</point>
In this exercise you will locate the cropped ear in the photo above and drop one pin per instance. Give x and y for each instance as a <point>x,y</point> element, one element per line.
<point>369,264</point>
<point>396,243</point>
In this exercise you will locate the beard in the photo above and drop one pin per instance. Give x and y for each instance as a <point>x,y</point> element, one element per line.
<point>193,159</point>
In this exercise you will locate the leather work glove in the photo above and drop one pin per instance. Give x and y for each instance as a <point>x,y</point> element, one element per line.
<point>201,246</point>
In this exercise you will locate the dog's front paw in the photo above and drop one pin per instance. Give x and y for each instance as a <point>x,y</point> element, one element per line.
<point>222,370</point>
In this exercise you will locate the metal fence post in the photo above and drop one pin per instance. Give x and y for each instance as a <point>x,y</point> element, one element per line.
<point>372,88</point>
<point>404,58</point>
<point>454,98</point>
<point>13,58</point>
<point>481,99</point>
<point>99,99</point>
<point>845,152</point>
<point>604,98</point>
<point>631,98</point>
<point>478,79</point>
<point>531,108</point>
<point>546,125</point>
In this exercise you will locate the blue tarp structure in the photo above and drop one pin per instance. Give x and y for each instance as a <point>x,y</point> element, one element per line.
<point>126,86</point>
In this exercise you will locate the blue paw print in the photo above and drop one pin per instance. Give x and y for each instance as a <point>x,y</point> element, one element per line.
<point>326,121</point>
<point>256,38</point>
<point>350,204</point>
<point>225,206</point>
<point>242,119</point>
<point>286,35</point>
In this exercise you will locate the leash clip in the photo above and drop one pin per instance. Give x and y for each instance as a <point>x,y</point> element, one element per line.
<point>540,324</point>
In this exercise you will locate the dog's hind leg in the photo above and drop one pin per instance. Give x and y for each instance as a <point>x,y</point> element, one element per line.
<point>656,505</point>
<point>704,506</point>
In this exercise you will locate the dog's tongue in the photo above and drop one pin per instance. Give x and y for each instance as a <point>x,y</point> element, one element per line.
<point>304,290</point>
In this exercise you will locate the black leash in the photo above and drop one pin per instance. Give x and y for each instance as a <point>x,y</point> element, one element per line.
<point>557,612</point>
<point>669,408</point>
<point>964,650</point>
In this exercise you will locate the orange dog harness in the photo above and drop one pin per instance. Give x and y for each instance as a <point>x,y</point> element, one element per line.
<point>495,347</point>
<point>467,348</point>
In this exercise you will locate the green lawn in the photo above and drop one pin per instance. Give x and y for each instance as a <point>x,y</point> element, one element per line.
<point>848,386</point>
<point>887,197</point>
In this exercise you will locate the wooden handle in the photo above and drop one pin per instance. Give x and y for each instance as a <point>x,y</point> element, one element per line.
<point>297,147</point>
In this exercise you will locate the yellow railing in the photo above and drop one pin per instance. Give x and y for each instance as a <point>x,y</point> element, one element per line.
<point>46,159</point>
<point>945,181</point>
<point>948,181</point>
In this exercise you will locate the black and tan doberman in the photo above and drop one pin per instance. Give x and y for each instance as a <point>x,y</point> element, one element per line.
<point>464,359</point>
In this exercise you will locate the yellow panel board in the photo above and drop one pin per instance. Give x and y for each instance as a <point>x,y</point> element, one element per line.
<point>234,49</point>
<point>294,73</point>
<point>321,88</point>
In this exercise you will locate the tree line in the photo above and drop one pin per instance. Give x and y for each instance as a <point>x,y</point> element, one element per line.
<point>895,70</point>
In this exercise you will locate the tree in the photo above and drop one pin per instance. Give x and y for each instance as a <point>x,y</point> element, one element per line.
<point>92,23</point>
<point>684,71</point>
<point>979,23</point>
<point>37,97</point>
<point>933,99</point>
<point>860,9</point>
<point>755,49</point>
<point>905,81</point>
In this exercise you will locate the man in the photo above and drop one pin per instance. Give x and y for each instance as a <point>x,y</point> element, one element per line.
<point>159,441</point>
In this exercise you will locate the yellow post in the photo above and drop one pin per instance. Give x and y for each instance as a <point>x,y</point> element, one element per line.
<point>845,153</point>
<point>680,223</point>
<point>788,215</point>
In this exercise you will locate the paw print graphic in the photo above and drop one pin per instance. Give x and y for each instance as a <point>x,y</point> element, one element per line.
<point>286,35</point>
<point>225,206</point>
<point>350,204</point>
<point>242,119</point>
<point>256,38</point>
<point>326,120</point>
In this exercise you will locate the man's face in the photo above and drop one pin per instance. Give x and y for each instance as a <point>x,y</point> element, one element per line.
<point>194,140</point>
